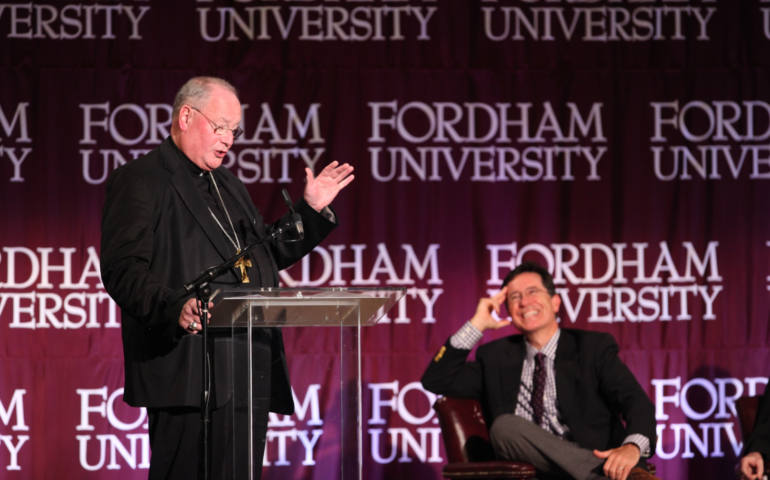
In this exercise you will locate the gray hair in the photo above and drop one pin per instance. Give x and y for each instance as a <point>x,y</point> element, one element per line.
<point>196,91</point>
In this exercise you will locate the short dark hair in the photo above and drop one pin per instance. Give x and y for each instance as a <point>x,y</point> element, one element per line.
<point>532,267</point>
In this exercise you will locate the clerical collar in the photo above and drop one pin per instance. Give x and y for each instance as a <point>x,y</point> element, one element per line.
<point>191,167</point>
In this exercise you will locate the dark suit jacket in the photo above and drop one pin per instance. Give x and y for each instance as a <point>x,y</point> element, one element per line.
<point>594,388</point>
<point>157,234</point>
<point>759,441</point>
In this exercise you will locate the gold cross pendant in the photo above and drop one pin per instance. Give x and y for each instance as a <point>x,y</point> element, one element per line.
<point>241,265</point>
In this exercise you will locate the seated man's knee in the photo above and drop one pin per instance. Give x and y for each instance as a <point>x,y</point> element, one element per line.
<point>506,430</point>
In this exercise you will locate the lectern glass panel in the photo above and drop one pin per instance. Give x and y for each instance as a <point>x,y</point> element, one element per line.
<point>246,314</point>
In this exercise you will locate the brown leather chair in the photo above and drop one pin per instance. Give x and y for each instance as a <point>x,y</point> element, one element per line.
<point>466,441</point>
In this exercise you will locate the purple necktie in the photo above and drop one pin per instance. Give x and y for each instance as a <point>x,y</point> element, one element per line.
<point>538,388</point>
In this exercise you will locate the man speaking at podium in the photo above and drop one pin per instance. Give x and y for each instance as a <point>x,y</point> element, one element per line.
<point>168,216</point>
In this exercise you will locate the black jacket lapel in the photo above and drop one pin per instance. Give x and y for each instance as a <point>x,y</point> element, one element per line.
<point>193,200</point>
<point>567,376</point>
<point>510,373</point>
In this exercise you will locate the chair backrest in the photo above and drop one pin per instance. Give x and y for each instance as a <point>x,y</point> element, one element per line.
<point>466,438</point>
<point>747,413</point>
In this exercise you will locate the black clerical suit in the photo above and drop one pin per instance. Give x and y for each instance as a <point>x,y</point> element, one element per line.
<point>594,388</point>
<point>759,440</point>
<point>157,234</point>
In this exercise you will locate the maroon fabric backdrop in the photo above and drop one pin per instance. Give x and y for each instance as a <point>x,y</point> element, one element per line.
<point>624,144</point>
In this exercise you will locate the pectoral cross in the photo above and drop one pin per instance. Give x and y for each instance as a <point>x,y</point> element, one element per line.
<point>241,265</point>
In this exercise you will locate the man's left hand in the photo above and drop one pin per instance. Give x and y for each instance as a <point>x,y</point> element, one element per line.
<point>321,190</point>
<point>619,461</point>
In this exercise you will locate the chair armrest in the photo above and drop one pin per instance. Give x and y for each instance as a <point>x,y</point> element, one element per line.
<point>488,470</point>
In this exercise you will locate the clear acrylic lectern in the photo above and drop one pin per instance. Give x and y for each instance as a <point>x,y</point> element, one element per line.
<point>242,310</point>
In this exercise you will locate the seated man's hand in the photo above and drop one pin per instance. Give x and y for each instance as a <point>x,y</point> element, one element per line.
<point>752,466</point>
<point>619,461</point>
<point>483,319</point>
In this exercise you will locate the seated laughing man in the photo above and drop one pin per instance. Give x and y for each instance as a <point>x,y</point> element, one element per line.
<point>558,398</point>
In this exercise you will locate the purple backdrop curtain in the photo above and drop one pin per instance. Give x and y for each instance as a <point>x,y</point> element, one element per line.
<point>623,144</point>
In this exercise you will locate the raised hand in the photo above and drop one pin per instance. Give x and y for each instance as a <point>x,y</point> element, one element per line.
<point>320,190</point>
<point>483,319</point>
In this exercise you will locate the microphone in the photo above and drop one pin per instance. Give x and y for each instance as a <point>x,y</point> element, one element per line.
<point>287,199</point>
<point>291,229</point>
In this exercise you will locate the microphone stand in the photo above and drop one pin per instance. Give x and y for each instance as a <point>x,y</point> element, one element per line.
<point>291,230</point>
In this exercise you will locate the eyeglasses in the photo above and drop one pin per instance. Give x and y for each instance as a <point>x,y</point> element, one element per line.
<point>528,292</point>
<point>220,130</point>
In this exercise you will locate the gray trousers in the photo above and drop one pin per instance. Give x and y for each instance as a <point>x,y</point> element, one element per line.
<point>517,439</point>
